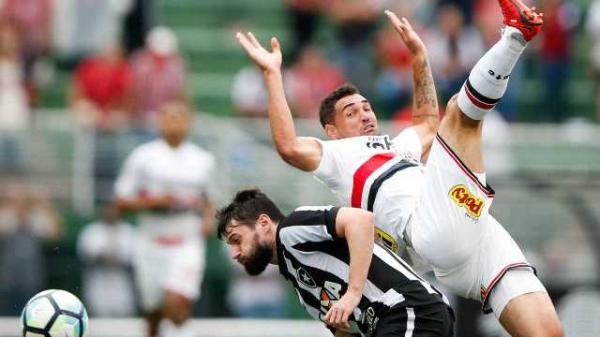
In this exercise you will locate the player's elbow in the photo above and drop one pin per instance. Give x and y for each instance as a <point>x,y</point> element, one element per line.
<point>292,155</point>
<point>367,220</point>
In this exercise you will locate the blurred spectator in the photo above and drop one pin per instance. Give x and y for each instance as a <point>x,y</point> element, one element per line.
<point>254,304</point>
<point>489,23</point>
<point>105,246</point>
<point>454,48</point>
<point>310,80</point>
<point>593,28</point>
<point>27,220</point>
<point>137,24</point>
<point>84,27</point>
<point>465,7</point>
<point>393,86</point>
<point>14,110</point>
<point>158,76</point>
<point>555,57</point>
<point>101,90</point>
<point>32,18</point>
<point>101,100</point>
<point>248,93</point>
<point>304,19</point>
<point>355,23</point>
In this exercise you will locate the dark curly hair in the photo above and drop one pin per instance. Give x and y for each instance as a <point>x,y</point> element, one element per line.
<point>246,207</point>
<point>327,107</point>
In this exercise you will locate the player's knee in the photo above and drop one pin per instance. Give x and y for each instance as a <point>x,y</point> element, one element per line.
<point>552,327</point>
<point>177,315</point>
<point>177,308</point>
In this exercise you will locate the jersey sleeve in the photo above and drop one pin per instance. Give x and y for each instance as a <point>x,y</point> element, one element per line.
<point>129,182</point>
<point>309,224</point>
<point>408,143</point>
<point>327,171</point>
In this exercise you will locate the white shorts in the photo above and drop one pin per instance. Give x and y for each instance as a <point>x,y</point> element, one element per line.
<point>452,230</point>
<point>178,268</point>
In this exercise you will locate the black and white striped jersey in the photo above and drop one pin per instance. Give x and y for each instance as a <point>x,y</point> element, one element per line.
<point>316,261</point>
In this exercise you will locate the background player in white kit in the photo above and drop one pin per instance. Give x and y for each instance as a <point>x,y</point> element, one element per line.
<point>168,181</point>
<point>441,210</point>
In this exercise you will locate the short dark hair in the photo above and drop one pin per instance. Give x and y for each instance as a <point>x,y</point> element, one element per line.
<point>327,107</point>
<point>246,207</point>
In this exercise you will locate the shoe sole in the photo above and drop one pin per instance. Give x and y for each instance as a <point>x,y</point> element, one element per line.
<point>521,8</point>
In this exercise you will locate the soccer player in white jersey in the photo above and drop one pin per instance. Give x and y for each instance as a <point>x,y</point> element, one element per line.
<point>441,210</point>
<point>169,182</point>
<point>340,276</point>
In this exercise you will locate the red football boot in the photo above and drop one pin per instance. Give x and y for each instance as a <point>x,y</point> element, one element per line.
<point>517,14</point>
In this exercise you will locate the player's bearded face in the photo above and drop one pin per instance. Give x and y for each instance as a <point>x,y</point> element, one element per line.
<point>257,260</point>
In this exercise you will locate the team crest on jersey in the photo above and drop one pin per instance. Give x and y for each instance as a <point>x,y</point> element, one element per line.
<point>463,197</point>
<point>305,278</point>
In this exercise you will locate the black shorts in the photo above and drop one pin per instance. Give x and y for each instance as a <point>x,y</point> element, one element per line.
<point>436,320</point>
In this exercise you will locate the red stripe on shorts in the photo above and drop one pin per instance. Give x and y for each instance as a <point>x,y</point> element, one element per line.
<point>498,277</point>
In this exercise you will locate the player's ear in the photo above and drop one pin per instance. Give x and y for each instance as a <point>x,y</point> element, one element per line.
<point>263,222</point>
<point>331,131</point>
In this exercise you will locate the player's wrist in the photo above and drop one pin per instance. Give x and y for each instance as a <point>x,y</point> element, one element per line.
<point>272,71</point>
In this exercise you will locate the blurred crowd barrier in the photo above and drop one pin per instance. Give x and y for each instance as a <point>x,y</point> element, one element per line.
<point>547,179</point>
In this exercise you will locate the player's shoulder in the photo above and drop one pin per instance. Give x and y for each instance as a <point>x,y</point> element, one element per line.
<point>147,148</point>
<point>199,152</point>
<point>309,215</point>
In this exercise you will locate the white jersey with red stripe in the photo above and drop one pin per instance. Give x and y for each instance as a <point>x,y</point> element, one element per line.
<point>184,173</point>
<point>378,174</point>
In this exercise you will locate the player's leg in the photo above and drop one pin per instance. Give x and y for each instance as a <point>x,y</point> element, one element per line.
<point>182,288</point>
<point>177,307</point>
<point>461,127</point>
<point>153,319</point>
<point>532,315</point>
<point>511,289</point>
<point>147,264</point>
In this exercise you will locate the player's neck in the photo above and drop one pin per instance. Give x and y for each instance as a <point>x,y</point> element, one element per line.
<point>274,256</point>
<point>174,142</point>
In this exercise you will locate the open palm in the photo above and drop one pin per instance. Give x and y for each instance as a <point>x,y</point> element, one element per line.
<point>266,60</point>
<point>408,35</point>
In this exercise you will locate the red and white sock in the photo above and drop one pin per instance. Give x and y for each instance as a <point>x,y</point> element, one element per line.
<point>488,80</point>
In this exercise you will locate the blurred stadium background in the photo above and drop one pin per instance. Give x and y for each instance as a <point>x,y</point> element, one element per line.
<point>59,164</point>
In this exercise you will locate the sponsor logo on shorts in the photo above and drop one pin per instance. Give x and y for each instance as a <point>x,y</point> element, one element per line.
<point>370,319</point>
<point>386,239</point>
<point>461,195</point>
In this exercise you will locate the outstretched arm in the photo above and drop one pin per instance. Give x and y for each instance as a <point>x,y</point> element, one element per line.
<point>357,226</point>
<point>425,116</point>
<point>303,153</point>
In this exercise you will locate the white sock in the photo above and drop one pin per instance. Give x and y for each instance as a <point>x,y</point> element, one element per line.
<point>488,80</point>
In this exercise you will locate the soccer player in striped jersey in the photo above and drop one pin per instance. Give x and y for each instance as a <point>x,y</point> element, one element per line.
<point>440,210</point>
<point>341,277</point>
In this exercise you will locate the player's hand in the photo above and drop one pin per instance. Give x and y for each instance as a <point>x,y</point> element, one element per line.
<point>160,203</point>
<point>264,59</point>
<point>337,316</point>
<point>408,35</point>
